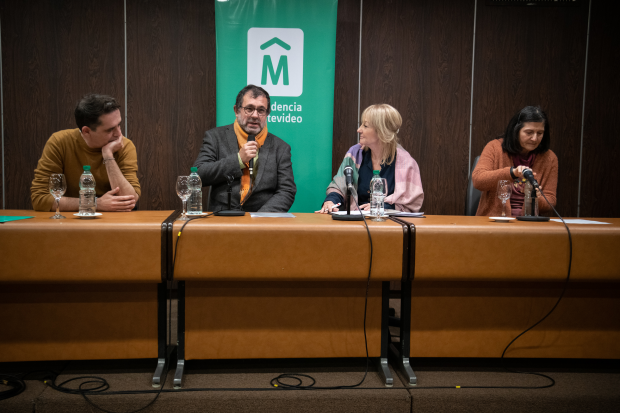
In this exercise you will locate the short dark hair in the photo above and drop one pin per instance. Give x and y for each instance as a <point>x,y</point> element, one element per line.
<point>256,92</point>
<point>511,142</point>
<point>91,107</point>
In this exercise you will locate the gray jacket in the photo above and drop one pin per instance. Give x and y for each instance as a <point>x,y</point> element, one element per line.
<point>274,186</point>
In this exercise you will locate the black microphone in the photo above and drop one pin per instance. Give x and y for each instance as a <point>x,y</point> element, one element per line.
<point>348,176</point>
<point>251,164</point>
<point>527,174</point>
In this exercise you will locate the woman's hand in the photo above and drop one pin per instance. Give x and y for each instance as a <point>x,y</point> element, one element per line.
<point>327,208</point>
<point>538,190</point>
<point>365,207</point>
<point>518,171</point>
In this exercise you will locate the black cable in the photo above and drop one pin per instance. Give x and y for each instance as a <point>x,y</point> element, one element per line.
<point>552,382</point>
<point>17,386</point>
<point>276,382</point>
<point>103,385</point>
<point>570,261</point>
<point>99,386</point>
<point>174,259</point>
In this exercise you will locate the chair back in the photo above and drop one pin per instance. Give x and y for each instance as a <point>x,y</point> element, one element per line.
<point>472,197</point>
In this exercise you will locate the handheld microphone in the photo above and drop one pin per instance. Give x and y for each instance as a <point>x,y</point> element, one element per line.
<point>251,138</point>
<point>348,176</point>
<point>527,174</point>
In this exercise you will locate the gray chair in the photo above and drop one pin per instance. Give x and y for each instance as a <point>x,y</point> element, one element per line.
<point>472,197</point>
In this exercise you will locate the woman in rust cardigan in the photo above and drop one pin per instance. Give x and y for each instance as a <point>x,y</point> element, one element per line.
<point>525,145</point>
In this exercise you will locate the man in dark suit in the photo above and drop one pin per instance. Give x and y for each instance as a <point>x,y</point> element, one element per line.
<point>226,153</point>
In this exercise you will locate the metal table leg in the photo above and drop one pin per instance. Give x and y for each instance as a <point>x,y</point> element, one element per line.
<point>178,374</point>
<point>161,333</point>
<point>382,363</point>
<point>405,332</point>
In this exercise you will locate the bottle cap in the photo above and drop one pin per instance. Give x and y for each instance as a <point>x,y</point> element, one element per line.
<point>194,169</point>
<point>376,172</point>
<point>87,167</point>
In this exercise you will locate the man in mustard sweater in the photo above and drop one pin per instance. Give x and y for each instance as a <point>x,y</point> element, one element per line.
<point>97,142</point>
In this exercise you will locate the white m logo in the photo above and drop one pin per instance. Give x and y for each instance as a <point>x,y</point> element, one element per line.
<point>284,46</point>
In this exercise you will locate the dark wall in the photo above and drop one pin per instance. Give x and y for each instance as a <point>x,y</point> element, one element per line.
<point>416,55</point>
<point>53,52</point>
<point>533,56</point>
<point>171,89</point>
<point>601,143</point>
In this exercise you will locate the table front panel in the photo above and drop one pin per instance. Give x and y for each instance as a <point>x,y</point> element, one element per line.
<point>78,321</point>
<point>233,320</point>
<point>309,247</point>
<point>479,319</point>
<point>115,247</point>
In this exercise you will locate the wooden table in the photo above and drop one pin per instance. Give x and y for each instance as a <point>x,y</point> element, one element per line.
<point>76,289</point>
<point>477,284</point>
<point>284,287</point>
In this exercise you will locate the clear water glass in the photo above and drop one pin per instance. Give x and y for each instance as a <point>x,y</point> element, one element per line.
<point>504,190</point>
<point>183,191</point>
<point>58,186</point>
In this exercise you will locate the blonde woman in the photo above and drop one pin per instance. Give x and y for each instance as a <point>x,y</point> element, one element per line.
<point>378,150</point>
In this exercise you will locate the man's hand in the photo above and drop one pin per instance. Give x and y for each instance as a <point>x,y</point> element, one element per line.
<point>111,148</point>
<point>248,151</point>
<point>365,207</point>
<point>116,203</point>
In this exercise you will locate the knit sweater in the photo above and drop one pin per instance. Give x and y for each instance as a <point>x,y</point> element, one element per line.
<point>494,164</point>
<point>66,153</point>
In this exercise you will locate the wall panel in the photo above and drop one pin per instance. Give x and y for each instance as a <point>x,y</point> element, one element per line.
<point>601,146</point>
<point>171,91</point>
<point>416,56</point>
<point>532,56</point>
<point>53,53</point>
<point>346,80</point>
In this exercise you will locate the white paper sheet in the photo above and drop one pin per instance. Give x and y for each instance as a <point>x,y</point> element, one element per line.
<point>271,215</point>
<point>579,221</point>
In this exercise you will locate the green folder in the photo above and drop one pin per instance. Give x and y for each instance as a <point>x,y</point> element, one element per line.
<point>6,218</point>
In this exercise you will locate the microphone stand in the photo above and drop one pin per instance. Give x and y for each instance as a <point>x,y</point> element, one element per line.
<point>229,212</point>
<point>348,216</point>
<point>533,217</point>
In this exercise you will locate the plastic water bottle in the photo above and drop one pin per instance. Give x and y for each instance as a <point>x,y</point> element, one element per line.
<point>530,201</point>
<point>194,206</point>
<point>377,195</point>
<point>88,197</point>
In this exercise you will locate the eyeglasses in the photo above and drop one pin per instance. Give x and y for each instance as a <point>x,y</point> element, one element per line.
<point>249,110</point>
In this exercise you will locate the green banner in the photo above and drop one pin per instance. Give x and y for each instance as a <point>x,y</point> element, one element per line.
<point>287,47</point>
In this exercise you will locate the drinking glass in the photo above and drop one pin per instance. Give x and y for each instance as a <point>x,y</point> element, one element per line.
<point>504,190</point>
<point>183,191</point>
<point>58,186</point>
<point>380,217</point>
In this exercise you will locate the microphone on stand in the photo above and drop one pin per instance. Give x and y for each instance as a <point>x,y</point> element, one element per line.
<point>348,178</point>
<point>251,138</point>
<point>527,174</point>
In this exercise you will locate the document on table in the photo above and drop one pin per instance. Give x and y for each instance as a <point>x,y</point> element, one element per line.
<point>390,212</point>
<point>271,215</point>
<point>6,218</point>
<point>408,214</point>
<point>579,221</point>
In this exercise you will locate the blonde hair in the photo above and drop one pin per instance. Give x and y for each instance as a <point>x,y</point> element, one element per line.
<point>387,122</point>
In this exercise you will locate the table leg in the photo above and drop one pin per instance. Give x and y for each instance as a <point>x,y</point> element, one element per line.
<point>382,363</point>
<point>405,334</point>
<point>178,374</point>
<point>161,333</point>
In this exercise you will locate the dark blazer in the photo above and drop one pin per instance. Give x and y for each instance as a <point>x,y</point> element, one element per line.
<point>274,186</point>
